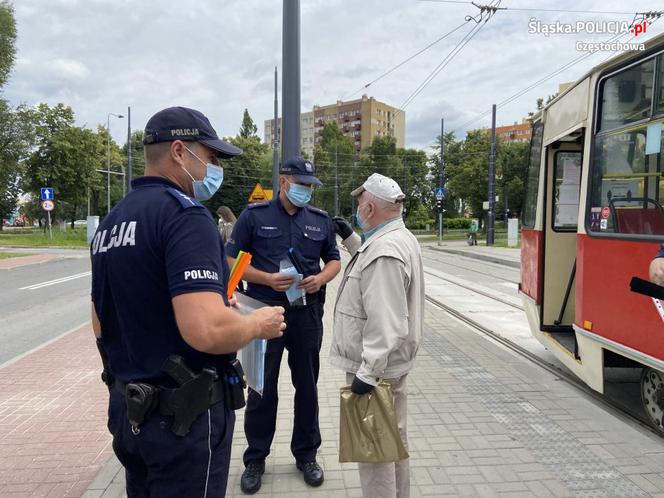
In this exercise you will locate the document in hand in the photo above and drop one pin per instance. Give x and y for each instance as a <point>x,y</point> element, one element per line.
<point>368,429</point>
<point>252,356</point>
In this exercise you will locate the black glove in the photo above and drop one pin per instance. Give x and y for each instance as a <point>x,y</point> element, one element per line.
<point>342,227</point>
<point>359,387</point>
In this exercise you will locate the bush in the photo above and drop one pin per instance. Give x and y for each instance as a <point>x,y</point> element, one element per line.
<point>457,223</point>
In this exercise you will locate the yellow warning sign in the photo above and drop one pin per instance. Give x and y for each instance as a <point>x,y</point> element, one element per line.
<point>259,194</point>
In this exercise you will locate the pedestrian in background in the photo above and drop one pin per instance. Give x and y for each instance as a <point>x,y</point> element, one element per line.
<point>378,314</point>
<point>226,222</point>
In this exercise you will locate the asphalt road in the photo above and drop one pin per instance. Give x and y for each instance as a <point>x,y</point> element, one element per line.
<point>43,301</point>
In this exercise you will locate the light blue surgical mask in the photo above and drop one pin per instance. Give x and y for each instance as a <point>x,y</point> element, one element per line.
<point>358,218</point>
<point>204,189</point>
<point>299,195</point>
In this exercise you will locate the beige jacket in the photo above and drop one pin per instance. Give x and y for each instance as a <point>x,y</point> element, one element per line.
<point>379,310</point>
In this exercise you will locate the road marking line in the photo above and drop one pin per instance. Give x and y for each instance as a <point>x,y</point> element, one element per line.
<point>56,281</point>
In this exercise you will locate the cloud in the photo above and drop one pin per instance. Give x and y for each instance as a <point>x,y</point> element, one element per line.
<point>100,56</point>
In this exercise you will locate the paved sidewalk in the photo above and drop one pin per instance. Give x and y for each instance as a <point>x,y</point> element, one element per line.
<point>19,261</point>
<point>53,437</point>
<point>507,256</point>
<point>482,422</point>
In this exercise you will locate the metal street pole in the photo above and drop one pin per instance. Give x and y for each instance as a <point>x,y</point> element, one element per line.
<point>130,172</point>
<point>336,180</point>
<point>290,139</point>
<point>275,142</point>
<point>352,199</point>
<point>490,234</point>
<point>108,159</point>
<point>441,176</point>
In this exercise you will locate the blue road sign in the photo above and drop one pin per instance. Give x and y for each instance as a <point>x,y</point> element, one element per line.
<point>440,193</point>
<point>46,193</point>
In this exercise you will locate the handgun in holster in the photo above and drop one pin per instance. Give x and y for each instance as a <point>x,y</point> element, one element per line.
<point>191,399</point>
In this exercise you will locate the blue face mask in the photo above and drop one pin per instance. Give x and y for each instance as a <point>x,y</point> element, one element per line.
<point>359,220</point>
<point>204,189</point>
<point>299,195</point>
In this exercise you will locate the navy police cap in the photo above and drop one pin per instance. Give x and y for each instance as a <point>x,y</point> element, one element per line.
<point>301,169</point>
<point>182,123</point>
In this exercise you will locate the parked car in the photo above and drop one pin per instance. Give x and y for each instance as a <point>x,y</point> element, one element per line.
<point>80,223</point>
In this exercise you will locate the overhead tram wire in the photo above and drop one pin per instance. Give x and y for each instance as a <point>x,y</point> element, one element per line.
<point>480,20</point>
<point>526,9</point>
<point>542,80</point>
<point>416,54</point>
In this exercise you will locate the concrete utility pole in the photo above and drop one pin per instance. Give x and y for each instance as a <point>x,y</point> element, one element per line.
<point>491,215</point>
<point>130,173</point>
<point>275,140</point>
<point>290,111</point>
<point>441,178</point>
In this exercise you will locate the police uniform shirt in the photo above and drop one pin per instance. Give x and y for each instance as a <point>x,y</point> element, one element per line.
<point>267,231</point>
<point>661,252</point>
<point>157,243</point>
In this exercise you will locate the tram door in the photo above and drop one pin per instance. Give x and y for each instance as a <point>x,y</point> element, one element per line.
<point>564,160</point>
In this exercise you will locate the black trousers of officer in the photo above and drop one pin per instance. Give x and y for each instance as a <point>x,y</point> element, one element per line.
<point>303,339</point>
<point>159,463</point>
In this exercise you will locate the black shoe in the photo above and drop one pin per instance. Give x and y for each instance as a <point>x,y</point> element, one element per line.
<point>313,474</point>
<point>251,477</point>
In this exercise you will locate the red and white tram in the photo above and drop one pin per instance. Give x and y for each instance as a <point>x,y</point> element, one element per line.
<point>594,218</point>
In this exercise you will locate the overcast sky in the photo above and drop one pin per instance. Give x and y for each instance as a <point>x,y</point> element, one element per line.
<point>99,56</point>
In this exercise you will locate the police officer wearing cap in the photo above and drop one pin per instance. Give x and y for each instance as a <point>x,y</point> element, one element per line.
<point>268,230</point>
<point>163,323</point>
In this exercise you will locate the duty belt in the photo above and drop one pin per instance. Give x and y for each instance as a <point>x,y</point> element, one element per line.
<point>194,396</point>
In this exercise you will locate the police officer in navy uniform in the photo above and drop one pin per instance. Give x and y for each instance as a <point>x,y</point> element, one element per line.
<point>162,318</point>
<point>268,230</point>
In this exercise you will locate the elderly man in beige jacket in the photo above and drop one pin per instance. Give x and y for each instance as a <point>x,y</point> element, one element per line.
<point>378,314</point>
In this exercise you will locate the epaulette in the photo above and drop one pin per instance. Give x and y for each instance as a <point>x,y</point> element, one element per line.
<point>319,211</point>
<point>185,201</point>
<point>258,204</point>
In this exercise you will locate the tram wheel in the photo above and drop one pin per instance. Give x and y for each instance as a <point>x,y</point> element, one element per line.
<point>652,396</point>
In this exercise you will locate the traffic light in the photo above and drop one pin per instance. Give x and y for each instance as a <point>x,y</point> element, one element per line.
<point>439,204</point>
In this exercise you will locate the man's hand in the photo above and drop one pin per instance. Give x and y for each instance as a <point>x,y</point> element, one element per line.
<point>342,227</point>
<point>657,271</point>
<point>360,387</point>
<point>270,321</point>
<point>280,281</point>
<point>311,284</point>
<point>232,301</point>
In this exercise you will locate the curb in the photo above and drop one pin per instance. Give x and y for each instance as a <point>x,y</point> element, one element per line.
<point>482,257</point>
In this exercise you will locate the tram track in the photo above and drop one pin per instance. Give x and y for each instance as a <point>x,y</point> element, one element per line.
<point>496,266</point>
<point>613,406</point>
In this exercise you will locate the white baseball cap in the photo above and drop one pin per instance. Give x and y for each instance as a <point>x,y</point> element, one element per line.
<point>382,187</point>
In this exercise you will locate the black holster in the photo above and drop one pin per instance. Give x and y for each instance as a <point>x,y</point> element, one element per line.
<point>106,375</point>
<point>235,384</point>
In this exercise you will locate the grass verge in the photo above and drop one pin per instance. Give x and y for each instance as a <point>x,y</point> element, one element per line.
<point>35,237</point>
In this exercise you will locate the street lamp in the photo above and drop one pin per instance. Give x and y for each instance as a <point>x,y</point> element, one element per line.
<point>108,160</point>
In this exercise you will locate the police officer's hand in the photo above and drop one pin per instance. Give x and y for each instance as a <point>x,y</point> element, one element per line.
<point>311,284</point>
<point>342,227</point>
<point>657,271</point>
<point>280,281</point>
<point>270,321</point>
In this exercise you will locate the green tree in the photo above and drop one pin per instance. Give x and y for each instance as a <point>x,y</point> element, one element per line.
<point>7,40</point>
<point>512,169</point>
<point>66,158</point>
<point>16,136</point>
<point>242,173</point>
<point>248,128</point>
<point>334,158</point>
<point>137,153</point>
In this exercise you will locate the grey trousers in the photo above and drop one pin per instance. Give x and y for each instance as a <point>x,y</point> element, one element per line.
<point>389,480</point>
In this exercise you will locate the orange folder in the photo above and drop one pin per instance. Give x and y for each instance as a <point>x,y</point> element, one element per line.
<point>241,262</point>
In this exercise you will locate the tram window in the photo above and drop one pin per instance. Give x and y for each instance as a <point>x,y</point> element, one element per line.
<point>532,184</point>
<point>567,171</point>
<point>627,190</point>
<point>627,96</point>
